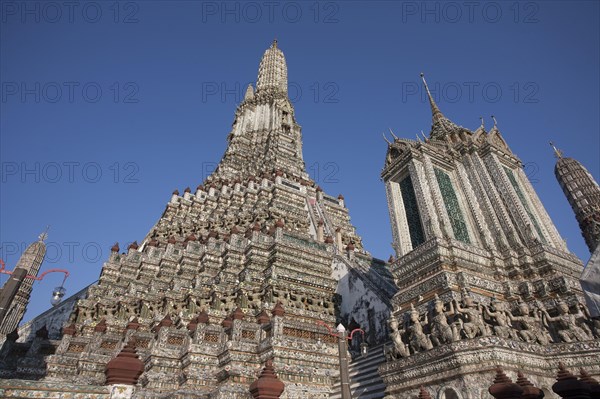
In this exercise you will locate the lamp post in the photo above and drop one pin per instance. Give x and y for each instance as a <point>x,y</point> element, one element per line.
<point>17,276</point>
<point>343,354</point>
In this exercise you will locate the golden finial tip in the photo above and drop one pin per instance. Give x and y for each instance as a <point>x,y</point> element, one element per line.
<point>557,153</point>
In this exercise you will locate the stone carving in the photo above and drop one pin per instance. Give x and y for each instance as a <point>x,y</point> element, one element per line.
<point>567,324</point>
<point>400,349</point>
<point>472,323</point>
<point>450,322</point>
<point>532,328</point>
<point>500,315</point>
<point>417,338</point>
<point>441,331</point>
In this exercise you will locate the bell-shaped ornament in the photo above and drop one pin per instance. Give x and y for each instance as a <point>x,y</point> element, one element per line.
<point>57,295</point>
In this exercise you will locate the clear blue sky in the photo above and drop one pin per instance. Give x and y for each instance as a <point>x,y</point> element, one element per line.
<point>171,73</point>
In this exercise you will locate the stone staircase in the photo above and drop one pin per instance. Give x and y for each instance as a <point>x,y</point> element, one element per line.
<point>365,382</point>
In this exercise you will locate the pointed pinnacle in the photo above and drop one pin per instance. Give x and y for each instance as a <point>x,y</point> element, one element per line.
<point>385,138</point>
<point>435,111</point>
<point>495,121</point>
<point>393,135</point>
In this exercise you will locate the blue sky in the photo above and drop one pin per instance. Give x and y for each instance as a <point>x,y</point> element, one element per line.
<point>107,107</point>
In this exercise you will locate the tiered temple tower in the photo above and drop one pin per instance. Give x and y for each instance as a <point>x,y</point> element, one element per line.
<point>484,277</point>
<point>583,193</point>
<point>245,268</point>
<point>28,266</point>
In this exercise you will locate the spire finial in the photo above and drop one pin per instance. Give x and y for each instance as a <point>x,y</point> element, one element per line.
<point>44,235</point>
<point>274,45</point>
<point>434,107</point>
<point>435,111</point>
<point>495,121</point>
<point>557,153</point>
<point>440,124</point>
<point>482,123</point>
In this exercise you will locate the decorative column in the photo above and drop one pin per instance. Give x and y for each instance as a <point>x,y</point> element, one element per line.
<point>267,386</point>
<point>320,233</point>
<point>400,232</point>
<point>429,213</point>
<point>344,374</point>
<point>338,239</point>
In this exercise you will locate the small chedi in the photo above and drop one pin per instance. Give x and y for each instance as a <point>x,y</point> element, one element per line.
<point>484,278</point>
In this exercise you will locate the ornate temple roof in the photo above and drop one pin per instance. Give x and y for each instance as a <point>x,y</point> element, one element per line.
<point>441,126</point>
<point>447,137</point>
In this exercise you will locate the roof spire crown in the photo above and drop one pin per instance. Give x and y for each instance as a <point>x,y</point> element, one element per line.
<point>440,126</point>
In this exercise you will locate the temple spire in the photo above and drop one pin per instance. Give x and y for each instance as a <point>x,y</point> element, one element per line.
<point>440,125</point>
<point>272,72</point>
<point>16,292</point>
<point>583,193</point>
<point>435,111</point>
